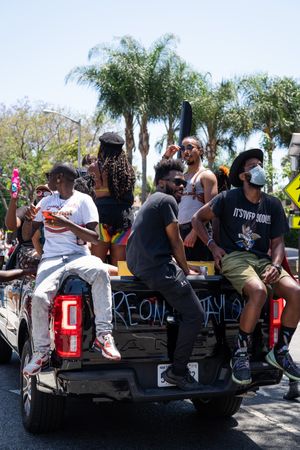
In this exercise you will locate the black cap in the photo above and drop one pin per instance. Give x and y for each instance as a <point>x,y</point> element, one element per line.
<point>112,139</point>
<point>238,164</point>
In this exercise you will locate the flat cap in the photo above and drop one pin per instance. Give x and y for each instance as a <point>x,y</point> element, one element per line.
<point>112,139</point>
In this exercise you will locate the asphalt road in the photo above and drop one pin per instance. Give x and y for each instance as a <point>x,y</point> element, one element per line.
<point>264,422</point>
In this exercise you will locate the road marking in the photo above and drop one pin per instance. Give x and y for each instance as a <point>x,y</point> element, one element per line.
<point>272,421</point>
<point>15,391</point>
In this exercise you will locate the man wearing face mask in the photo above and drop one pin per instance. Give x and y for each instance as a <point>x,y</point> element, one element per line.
<point>252,223</point>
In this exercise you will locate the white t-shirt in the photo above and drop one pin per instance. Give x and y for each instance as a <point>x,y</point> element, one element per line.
<point>60,241</point>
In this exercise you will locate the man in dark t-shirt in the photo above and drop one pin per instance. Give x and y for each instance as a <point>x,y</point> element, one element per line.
<point>155,254</point>
<point>249,253</point>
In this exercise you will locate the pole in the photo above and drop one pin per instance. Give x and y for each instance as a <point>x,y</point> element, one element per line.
<point>79,144</point>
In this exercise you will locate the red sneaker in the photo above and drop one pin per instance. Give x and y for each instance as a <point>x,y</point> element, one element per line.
<point>105,344</point>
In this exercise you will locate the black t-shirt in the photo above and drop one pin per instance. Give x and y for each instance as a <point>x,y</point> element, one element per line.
<point>148,245</point>
<point>246,226</point>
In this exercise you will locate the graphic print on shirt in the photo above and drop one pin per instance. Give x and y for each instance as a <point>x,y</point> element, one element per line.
<point>247,237</point>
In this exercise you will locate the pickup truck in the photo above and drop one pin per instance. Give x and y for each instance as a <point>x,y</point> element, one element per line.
<point>145,331</point>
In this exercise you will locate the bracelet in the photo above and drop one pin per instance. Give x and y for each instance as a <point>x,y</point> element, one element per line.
<point>210,240</point>
<point>165,157</point>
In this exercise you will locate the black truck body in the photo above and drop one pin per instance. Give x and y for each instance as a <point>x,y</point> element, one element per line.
<point>145,331</point>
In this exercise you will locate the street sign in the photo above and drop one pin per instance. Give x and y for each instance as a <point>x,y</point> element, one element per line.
<point>295,221</point>
<point>293,190</point>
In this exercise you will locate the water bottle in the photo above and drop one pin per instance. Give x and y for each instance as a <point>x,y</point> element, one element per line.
<point>15,183</point>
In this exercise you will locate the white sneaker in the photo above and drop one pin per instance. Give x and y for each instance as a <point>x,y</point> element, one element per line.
<point>105,344</point>
<point>37,362</point>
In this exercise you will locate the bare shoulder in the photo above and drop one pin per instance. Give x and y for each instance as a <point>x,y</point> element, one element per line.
<point>208,175</point>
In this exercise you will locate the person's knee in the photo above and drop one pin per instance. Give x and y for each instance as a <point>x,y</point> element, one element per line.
<point>256,293</point>
<point>40,300</point>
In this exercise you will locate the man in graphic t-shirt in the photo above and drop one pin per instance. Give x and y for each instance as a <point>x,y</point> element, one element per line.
<point>70,221</point>
<point>252,225</point>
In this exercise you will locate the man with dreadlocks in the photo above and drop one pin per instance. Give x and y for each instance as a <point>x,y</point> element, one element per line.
<point>114,184</point>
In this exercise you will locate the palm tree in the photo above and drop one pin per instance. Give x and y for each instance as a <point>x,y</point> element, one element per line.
<point>178,83</point>
<point>218,115</point>
<point>128,83</point>
<point>274,108</point>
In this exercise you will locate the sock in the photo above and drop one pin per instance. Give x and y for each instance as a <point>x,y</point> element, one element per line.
<point>243,341</point>
<point>284,338</point>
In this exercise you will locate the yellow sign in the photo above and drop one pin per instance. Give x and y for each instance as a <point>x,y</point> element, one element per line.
<point>293,190</point>
<point>295,221</point>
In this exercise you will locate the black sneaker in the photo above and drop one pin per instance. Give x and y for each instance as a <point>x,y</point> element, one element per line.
<point>283,360</point>
<point>185,382</point>
<point>240,365</point>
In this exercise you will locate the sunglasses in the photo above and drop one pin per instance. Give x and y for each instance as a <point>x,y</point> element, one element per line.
<point>177,181</point>
<point>187,147</point>
<point>43,193</point>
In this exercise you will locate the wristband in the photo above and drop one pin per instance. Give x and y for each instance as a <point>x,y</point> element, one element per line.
<point>210,240</point>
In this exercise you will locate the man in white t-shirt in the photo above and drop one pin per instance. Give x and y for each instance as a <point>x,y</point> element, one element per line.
<point>70,221</point>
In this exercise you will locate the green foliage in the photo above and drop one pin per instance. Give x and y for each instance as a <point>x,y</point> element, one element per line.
<point>291,238</point>
<point>219,116</point>
<point>33,142</point>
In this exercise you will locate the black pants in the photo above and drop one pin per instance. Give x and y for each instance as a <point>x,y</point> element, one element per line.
<point>197,253</point>
<point>171,282</point>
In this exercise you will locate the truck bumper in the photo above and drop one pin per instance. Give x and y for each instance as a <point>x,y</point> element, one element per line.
<point>123,385</point>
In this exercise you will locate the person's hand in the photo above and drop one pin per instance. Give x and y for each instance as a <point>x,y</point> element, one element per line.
<point>31,212</point>
<point>30,272</point>
<point>57,220</point>
<point>218,254</point>
<point>193,272</point>
<point>270,275</point>
<point>93,170</point>
<point>190,239</point>
<point>171,151</point>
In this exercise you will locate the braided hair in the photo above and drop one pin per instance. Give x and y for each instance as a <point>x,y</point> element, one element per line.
<point>120,173</point>
<point>85,184</point>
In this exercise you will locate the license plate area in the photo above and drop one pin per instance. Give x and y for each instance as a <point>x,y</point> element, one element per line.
<point>193,368</point>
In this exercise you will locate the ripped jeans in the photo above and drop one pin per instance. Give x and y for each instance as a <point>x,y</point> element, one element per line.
<point>51,272</point>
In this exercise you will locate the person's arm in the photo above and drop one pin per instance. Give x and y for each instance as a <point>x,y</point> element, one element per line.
<point>199,220</point>
<point>277,254</point>
<point>12,222</point>
<point>210,185</point>
<point>9,275</point>
<point>36,242</point>
<point>89,233</point>
<point>176,243</point>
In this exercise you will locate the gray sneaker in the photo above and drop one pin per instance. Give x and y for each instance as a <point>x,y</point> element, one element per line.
<point>283,360</point>
<point>185,382</point>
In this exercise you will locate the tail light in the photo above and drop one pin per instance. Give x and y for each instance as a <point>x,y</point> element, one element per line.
<point>276,308</point>
<point>68,325</point>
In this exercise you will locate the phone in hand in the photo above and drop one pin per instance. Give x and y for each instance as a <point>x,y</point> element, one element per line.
<point>47,215</point>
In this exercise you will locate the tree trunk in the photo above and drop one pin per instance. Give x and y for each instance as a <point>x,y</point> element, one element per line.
<point>144,150</point>
<point>170,133</point>
<point>211,152</point>
<point>269,146</point>
<point>129,136</point>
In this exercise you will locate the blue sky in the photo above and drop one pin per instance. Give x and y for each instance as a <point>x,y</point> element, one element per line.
<point>41,41</point>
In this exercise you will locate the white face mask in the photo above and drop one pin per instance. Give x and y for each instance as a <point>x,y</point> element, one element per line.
<point>258,176</point>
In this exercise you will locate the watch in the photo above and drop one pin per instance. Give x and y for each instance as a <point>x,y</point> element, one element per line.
<point>278,267</point>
